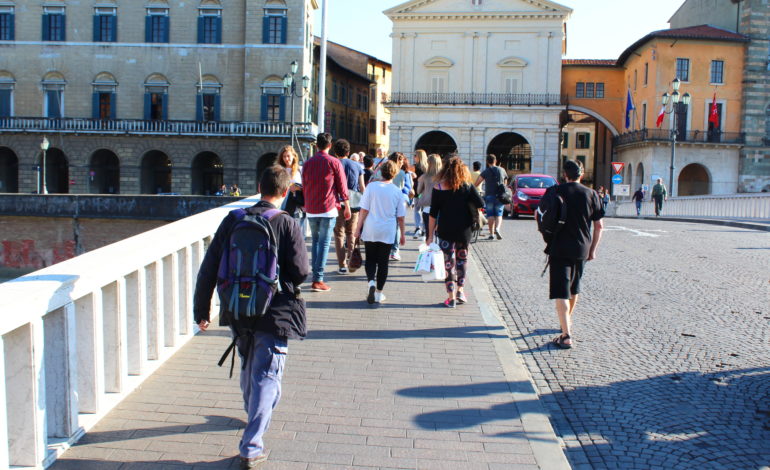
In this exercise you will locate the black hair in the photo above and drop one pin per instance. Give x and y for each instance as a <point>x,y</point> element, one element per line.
<point>341,148</point>
<point>368,161</point>
<point>274,182</point>
<point>491,159</point>
<point>323,141</point>
<point>476,166</point>
<point>573,169</point>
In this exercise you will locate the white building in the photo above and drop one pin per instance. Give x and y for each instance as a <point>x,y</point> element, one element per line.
<point>479,76</point>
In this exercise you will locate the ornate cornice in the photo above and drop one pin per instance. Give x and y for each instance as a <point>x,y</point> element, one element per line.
<point>408,11</point>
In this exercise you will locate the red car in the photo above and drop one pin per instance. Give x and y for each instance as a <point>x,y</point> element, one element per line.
<point>527,192</point>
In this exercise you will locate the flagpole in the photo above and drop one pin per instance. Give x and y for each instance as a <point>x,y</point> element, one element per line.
<point>322,71</point>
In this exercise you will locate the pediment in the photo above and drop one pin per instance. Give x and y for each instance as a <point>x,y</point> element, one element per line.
<point>487,9</point>
<point>512,62</point>
<point>438,62</point>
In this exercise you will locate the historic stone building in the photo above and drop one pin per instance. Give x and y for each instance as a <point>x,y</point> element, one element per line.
<point>149,97</point>
<point>479,77</point>
<point>750,18</point>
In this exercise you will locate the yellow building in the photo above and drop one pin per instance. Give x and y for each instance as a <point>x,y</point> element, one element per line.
<point>708,62</point>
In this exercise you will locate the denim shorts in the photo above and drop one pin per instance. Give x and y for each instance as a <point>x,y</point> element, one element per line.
<point>493,207</point>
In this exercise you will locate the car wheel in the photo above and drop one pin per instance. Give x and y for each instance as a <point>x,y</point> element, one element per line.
<point>514,215</point>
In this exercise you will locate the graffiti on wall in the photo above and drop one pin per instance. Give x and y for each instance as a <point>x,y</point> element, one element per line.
<point>23,254</point>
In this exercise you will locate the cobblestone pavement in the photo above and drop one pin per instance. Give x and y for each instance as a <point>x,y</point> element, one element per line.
<point>408,384</point>
<point>671,366</point>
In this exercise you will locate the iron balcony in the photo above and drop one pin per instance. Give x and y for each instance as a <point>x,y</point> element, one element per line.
<point>490,99</point>
<point>664,135</point>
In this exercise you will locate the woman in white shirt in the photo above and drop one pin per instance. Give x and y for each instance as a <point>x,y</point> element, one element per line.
<point>289,160</point>
<point>382,210</point>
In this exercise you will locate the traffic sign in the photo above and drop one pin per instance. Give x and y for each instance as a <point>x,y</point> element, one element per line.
<point>617,167</point>
<point>621,190</point>
<point>617,179</point>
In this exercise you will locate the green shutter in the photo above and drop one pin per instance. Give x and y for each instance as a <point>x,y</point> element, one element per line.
<point>201,33</point>
<point>218,26</point>
<point>266,30</point>
<point>46,28</point>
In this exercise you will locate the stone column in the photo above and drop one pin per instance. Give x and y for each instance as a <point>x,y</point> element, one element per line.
<point>468,66</point>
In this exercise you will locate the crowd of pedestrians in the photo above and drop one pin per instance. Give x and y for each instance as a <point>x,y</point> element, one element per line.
<point>352,198</point>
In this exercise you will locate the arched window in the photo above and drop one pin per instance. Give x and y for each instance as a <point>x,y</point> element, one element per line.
<point>208,102</point>
<point>156,98</point>
<point>273,99</point>
<point>53,95</point>
<point>7,83</point>
<point>104,96</point>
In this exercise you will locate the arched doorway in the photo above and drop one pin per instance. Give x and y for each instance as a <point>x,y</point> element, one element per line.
<point>57,172</point>
<point>156,173</point>
<point>694,180</point>
<point>437,142</point>
<point>265,161</point>
<point>104,173</point>
<point>9,171</point>
<point>513,152</point>
<point>207,174</point>
<point>639,181</point>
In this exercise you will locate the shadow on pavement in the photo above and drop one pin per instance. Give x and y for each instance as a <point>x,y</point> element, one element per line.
<point>480,331</point>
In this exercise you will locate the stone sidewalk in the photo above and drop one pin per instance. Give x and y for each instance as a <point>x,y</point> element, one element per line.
<point>406,384</point>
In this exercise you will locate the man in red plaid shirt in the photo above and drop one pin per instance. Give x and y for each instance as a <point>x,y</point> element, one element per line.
<point>325,188</point>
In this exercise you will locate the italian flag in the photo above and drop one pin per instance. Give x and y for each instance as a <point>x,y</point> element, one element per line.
<point>661,115</point>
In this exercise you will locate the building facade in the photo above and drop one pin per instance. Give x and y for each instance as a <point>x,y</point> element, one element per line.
<point>750,18</point>
<point>479,77</point>
<point>149,97</point>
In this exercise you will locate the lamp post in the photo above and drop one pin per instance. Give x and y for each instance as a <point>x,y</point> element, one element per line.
<point>674,99</point>
<point>290,87</point>
<point>44,147</point>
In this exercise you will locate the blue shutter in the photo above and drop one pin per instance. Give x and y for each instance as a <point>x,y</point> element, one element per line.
<point>54,108</point>
<point>218,26</point>
<point>165,106</point>
<point>46,28</point>
<point>264,108</point>
<point>97,28</point>
<point>12,27</point>
<point>63,28</point>
<point>95,107</point>
<point>284,29</point>
<point>114,29</point>
<point>199,107</point>
<point>266,30</point>
<point>147,106</point>
<point>217,103</point>
<point>201,26</point>
<point>5,103</point>
<point>113,105</point>
<point>148,28</point>
<point>282,108</point>
<point>165,22</point>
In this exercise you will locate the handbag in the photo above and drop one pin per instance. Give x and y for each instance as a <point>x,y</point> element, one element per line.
<point>354,198</point>
<point>503,193</point>
<point>475,219</point>
<point>355,258</point>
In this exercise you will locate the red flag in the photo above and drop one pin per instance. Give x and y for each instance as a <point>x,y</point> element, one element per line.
<point>714,113</point>
<point>661,115</point>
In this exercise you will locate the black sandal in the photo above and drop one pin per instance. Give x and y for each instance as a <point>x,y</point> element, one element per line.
<point>559,341</point>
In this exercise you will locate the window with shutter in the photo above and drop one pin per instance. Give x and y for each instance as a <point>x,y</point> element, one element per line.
<point>210,26</point>
<point>6,23</point>
<point>54,24</point>
<point>157,25</point>
<point>105,24</point>
<point>274,26</point>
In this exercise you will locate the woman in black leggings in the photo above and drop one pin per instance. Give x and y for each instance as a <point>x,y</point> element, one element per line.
<point>382,209</point>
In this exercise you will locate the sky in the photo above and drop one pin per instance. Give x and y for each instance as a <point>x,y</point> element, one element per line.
<point>597,29</point>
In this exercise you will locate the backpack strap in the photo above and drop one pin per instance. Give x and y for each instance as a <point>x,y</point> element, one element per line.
<point>230,349</point>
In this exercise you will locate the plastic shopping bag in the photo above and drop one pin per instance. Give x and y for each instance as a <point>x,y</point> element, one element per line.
<point>437,269</point>
<point>424,260</point>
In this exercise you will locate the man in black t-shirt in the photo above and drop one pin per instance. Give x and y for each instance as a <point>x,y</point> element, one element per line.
<point>493,177</point>
<point>572,246</point>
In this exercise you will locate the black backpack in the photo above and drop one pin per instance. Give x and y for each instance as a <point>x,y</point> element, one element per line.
<point>551,215</point>
<point>502,192</point>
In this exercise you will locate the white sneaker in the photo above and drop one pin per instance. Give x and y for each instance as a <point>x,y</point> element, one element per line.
<point>371,295</point>
<point>379,297</point>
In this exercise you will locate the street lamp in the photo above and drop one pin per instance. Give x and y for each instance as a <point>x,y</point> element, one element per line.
<point>674,99</point>
<point>290,87</point>
<point>44,147</point>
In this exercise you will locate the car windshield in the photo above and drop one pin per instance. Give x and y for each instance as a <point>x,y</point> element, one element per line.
<point>536,182</point>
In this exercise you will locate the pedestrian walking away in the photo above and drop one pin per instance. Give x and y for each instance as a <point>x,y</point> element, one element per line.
<point>382,210</point>
<point>425,188</point>
<point>261,341</point>
<point>659,194</point>
<point>420,167</point>
<point>494,179</point>
<point>451,218</point>
<point>572,245</point>
<point>325,189</point>
<point>638,197</point>
<point>344,228</point>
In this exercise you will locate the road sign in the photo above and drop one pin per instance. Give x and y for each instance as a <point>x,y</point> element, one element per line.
<point>621,190</point>
<point>617,179</point>
<point>617,167</point>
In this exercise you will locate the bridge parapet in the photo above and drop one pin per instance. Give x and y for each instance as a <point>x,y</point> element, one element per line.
<point>79,336</point>
<point>754,206</point>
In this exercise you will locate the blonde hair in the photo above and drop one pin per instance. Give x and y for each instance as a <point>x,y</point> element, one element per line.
<point>434,165</point>
<point>389,170</point>
<point>294,159</point>
<point>422,160</point>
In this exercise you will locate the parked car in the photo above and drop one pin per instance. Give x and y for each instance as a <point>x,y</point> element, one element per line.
<point>527,191</point>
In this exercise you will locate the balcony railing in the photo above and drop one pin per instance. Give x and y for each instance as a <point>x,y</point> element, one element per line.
<point>141,127</point>
<point>499,99</point>
<point>664,135</point>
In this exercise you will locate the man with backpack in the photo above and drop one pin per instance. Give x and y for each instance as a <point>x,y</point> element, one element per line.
<point>257,260</point>
<point>565,216</point>
<point>495,193</point>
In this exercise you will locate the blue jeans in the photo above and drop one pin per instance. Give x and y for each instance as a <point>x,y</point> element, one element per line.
<point>261,386</point>
<point>638,207</point>
<point>321,236</point>
<point>494,208</point>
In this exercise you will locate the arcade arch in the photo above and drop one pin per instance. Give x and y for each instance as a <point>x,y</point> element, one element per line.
<point>156,173</point>
<point>513,152</point>
<point>437,142</point>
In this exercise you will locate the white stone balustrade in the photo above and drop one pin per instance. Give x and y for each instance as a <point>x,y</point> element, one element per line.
<point>79,336</point>
<point>755,206</point>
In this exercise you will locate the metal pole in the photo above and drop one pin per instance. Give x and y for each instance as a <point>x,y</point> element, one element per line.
<point>673,155</point>
<point>291,90</point>
<point>45,188</point>
<point>322,71</point>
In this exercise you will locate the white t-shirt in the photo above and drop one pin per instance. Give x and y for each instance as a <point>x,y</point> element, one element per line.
<point>385,202</point>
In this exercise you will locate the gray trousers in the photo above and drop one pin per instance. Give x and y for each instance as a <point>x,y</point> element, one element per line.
<point>261,373</point>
